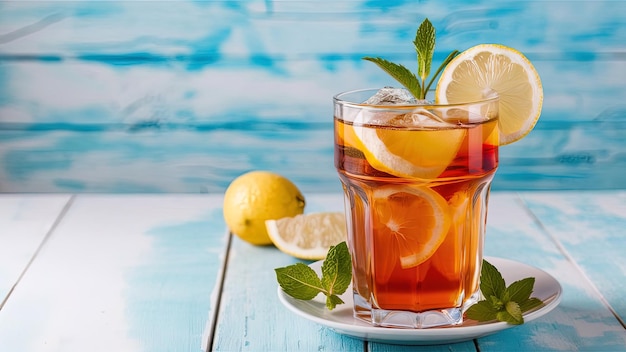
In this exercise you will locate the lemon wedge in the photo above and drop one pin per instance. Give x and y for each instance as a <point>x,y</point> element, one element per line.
<point>308,236</point>
<point>483,69</point>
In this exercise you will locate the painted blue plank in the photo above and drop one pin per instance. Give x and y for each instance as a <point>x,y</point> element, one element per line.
<point>581,321</point>
<point>258,27</point>
<point>141,273</point>
<point>25,221</point>
<point>147,162</point>
<point>467,346</point>
<point>587,157</point>
<point>251,318</point>
<point>590,227</point>
<point>123,273</point>
<point>91,70</point>
<point>187,254</point>
<point>95,97</point>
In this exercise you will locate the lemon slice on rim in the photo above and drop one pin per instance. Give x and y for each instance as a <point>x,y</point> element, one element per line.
<point>410,223</point>
<point>308,236</point>
<point>486,68</point>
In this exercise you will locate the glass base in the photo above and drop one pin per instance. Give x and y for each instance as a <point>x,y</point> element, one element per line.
<point>407,319</point>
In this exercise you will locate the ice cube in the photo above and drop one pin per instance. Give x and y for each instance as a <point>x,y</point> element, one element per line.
<point>391,96</point>
<point>418,118</point>
<point>425,118</point>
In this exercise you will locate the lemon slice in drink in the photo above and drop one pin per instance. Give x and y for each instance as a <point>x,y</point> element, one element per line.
<point>407,151</point>
<point>308,236</point>
<point>410,223</point>
<point>487,68</point>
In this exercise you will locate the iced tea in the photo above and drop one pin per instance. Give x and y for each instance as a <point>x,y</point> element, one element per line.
<point>416,181</point>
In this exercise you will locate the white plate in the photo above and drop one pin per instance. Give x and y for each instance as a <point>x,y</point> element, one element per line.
<point>340,319</point>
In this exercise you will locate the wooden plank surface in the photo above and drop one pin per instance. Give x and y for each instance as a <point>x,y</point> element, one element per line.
<point>252,319</point>
<point>210,158</point>
<point>581,322</point>
<point>92,84</point>
<point>144,273</point>
<point>299,29</point>
<point>25,222</point>
<point>121,273</point>
<point>591,229</point>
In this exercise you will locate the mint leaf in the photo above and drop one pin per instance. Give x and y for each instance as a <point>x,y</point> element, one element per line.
<point>516,313</point>
<point>496,302</point>
<point>337,269</point>
<point>512,314</point>
<point>530,303</point>
<point>424,44</point>
<point>503,303</point>
<point>299,281</point>
<point>520,290</point>
<point>400,73</point>
<point>491,281</point>
<point>445,63</point>
<point>332,301</point>
<point>425,47</point>
<point>508,318</point>
<point>481,311</point>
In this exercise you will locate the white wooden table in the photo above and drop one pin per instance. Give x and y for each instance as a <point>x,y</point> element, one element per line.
<point>106,272</point>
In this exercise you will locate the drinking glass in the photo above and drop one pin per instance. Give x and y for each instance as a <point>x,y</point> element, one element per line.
<point>416,179</point>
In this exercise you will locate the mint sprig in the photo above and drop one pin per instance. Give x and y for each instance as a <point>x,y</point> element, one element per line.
<point>503,303</point>
<point>301,282</point>
<point>424,43</point>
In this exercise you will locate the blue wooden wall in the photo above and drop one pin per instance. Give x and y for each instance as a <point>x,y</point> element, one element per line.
<point>183,96</point>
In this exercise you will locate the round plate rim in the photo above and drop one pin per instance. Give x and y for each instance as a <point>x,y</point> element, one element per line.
<point>356,328</point>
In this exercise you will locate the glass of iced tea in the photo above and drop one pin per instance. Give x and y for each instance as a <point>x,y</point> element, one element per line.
<point>416,178</point>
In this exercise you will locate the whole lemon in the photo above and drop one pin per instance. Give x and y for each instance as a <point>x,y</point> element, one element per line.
<point>257,196</point>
